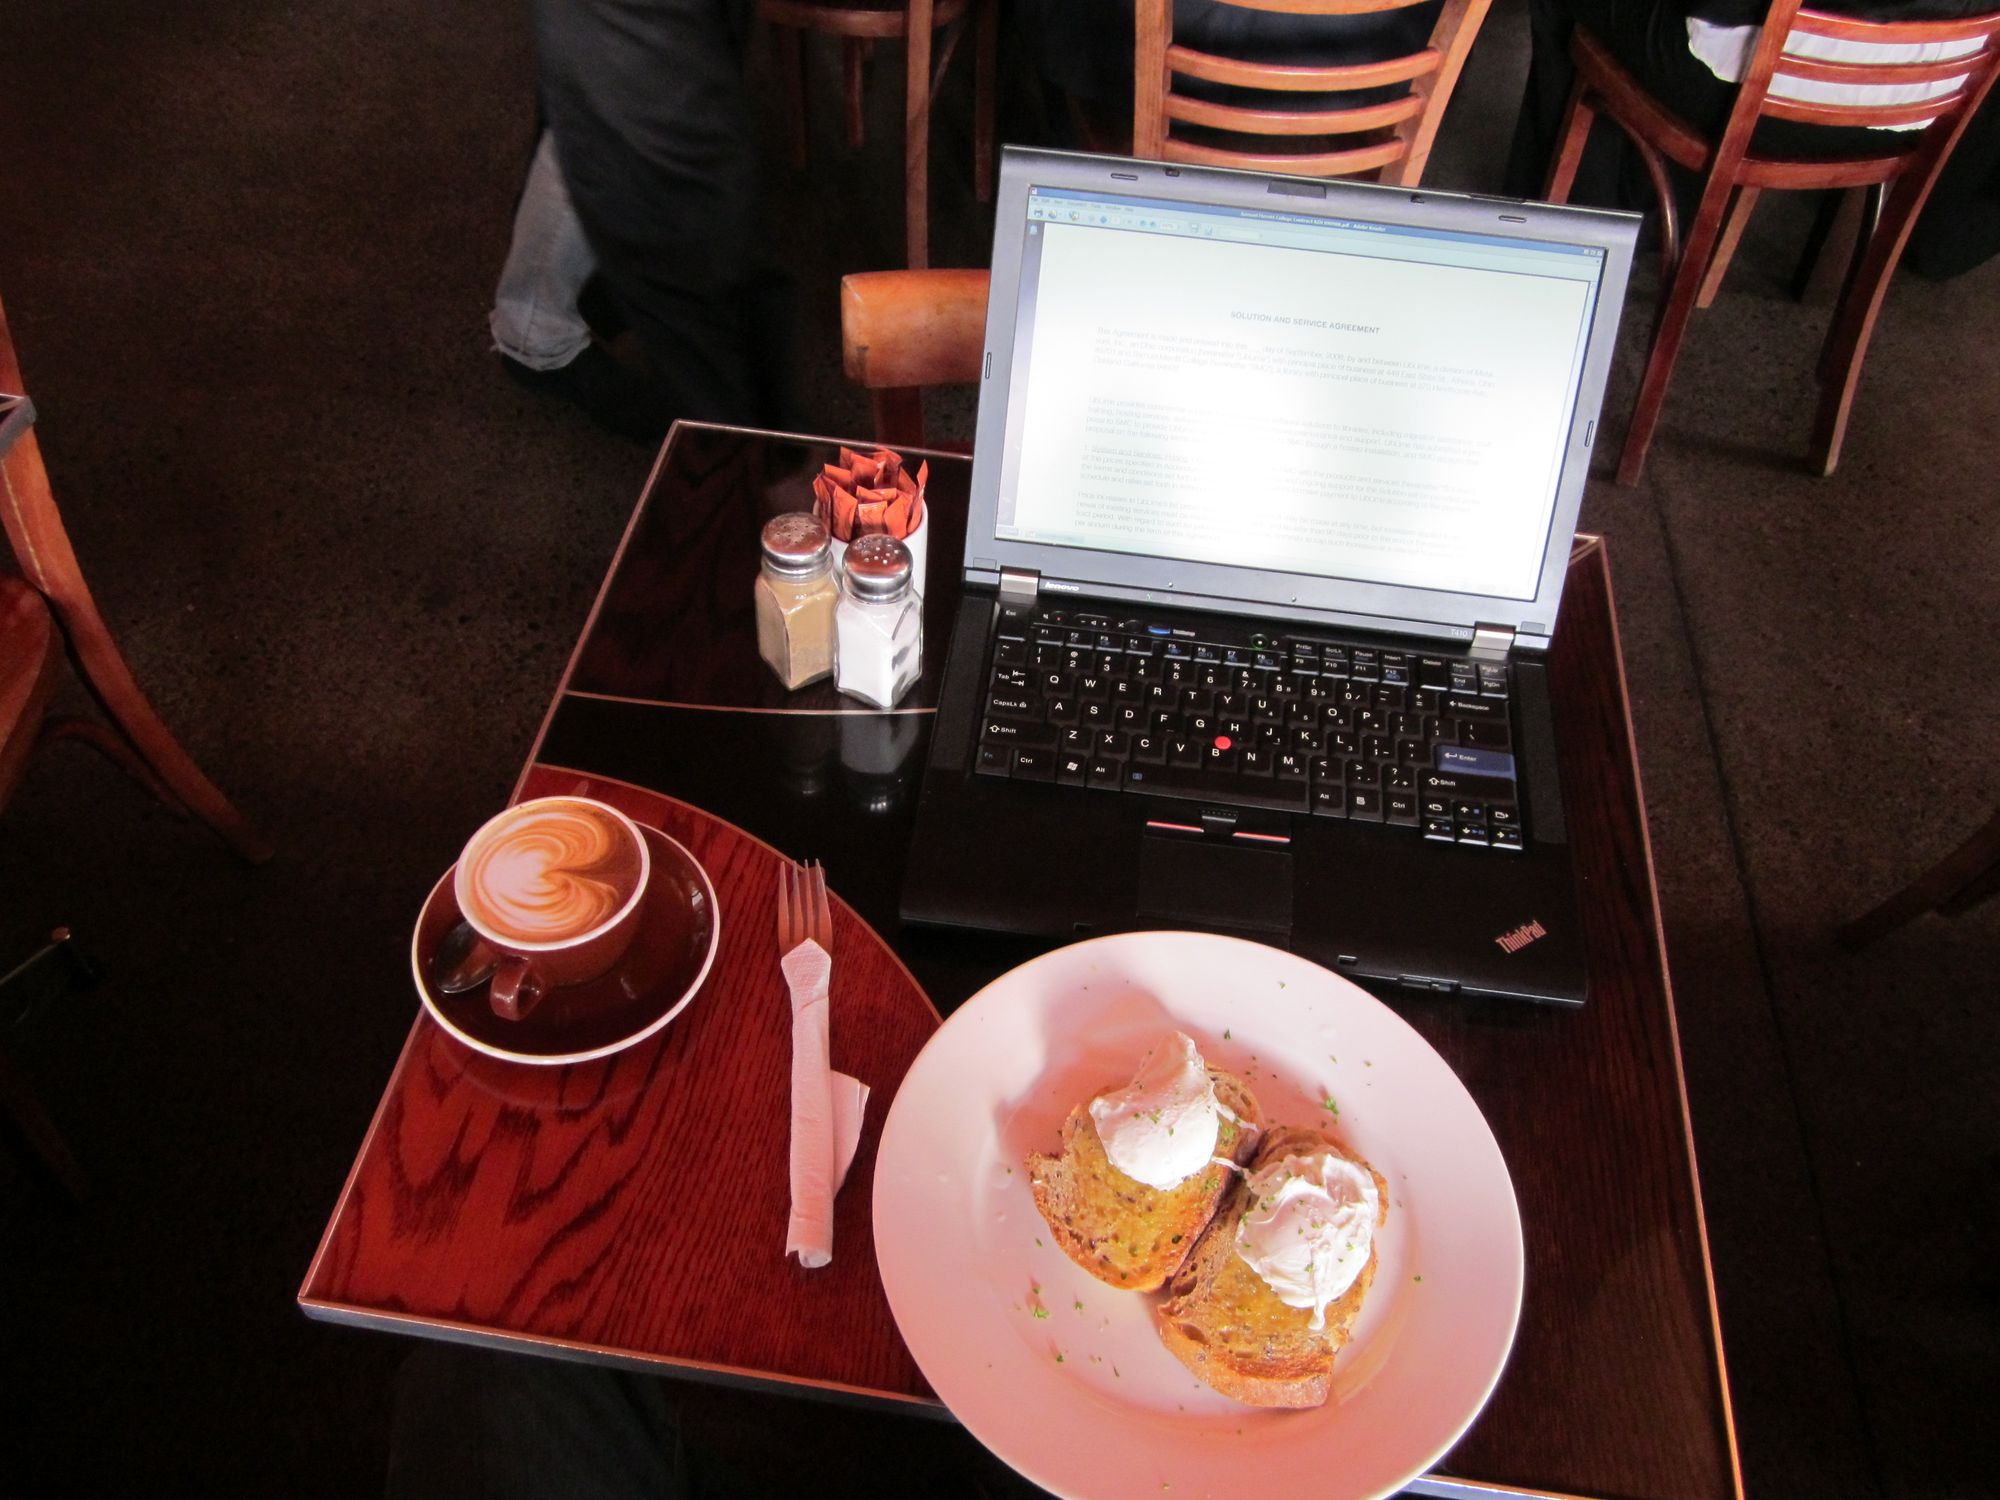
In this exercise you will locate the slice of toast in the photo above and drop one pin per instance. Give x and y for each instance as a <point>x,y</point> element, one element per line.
<point>1225,1323</point>
<point>1123,1232</point>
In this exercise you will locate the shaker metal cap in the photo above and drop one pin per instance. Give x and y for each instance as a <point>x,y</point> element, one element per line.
<point>797,543</point>
<point>877,567</point>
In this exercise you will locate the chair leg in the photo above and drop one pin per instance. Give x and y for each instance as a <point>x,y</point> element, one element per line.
<point>1672,328</point>
<point>1670,214</point>
<point>1950,886</point>
<point>1854,322</point>
<point>789,60</point>
<point>917,137</point>
<point>1831,246</point>
<point>1575,134</point>
<point>986,91</point>
<point>107,743</point>
<point>1725,250</point>
<point>853,114</point>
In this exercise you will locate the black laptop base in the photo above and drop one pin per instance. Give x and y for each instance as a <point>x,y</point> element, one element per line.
<point>1376,902</point>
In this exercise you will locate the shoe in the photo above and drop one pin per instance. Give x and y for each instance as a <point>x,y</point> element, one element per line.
<point>616,398</point>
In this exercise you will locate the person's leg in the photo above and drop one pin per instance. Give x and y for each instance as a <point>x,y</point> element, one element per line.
<point>475,1424</point>
<point>535,318</point>
<point>652,126</point>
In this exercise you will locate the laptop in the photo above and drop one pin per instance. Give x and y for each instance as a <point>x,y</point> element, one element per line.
<point>1272,496</point>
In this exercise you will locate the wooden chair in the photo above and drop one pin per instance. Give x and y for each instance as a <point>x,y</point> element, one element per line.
<point>859,23</point>
<point>1391,140</point>
<point>903,330</point>
<point>1903,169</point>
<point>1961,880</point>
<point>46,607</point>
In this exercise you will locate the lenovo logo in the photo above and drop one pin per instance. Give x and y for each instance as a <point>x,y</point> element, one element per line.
<point>1520,937</point>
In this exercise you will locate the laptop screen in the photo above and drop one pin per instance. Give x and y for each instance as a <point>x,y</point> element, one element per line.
<point>1293,393</point>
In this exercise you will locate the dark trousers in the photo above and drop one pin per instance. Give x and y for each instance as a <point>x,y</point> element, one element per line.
<point>652,123</point>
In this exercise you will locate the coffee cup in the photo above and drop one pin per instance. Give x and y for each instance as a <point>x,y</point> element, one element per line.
<point>555,886</point>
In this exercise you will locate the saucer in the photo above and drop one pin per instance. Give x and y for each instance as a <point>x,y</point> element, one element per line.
<point>667,962</point>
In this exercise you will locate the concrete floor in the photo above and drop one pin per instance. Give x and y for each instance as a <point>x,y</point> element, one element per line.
<point>247,252</point>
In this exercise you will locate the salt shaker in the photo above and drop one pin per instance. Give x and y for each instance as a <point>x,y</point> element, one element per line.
<point>796,596</point>
<point>879,625</point>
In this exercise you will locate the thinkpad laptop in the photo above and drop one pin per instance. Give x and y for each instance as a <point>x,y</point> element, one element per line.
<point>1272,499</point>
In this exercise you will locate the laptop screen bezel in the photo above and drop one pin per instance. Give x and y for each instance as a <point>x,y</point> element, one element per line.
<point>1151,579</point>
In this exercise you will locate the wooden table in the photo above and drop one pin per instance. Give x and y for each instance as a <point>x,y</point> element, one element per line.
<point>567,1211</point>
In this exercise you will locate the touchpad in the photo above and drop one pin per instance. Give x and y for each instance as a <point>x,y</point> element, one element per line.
<point>1215,884</point>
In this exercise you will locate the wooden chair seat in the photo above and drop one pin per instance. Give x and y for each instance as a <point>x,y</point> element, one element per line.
<point>921,24</point>
<point>1902,165</point>
<point>1176,115</point>
<point>901,331</point>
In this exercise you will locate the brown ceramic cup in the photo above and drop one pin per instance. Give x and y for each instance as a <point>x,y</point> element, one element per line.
<point>556,887</point>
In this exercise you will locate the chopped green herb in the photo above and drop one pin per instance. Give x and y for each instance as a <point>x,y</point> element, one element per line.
<point>1225,1033</point>
<point>1281,984</point>
<point>1420,1278</point>
<point>1059,1358</point>
<point>1079,1304</point>
<point>1328,1103</point>
<point>1040,1312</point>
<point>1038,1242</point>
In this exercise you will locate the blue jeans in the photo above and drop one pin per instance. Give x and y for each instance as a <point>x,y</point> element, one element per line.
<point>535,320</point>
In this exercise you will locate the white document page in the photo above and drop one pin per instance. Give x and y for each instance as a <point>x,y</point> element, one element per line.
<point>1344,416</point>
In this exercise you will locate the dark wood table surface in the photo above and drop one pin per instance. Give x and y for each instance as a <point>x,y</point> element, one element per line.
<point>565,1210</point>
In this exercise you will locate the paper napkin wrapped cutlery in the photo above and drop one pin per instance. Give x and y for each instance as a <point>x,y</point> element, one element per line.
<point>865,494</point>
<point>826,1111</point>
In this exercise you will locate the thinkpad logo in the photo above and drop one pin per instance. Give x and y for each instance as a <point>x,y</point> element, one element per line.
<point>1520,937</point>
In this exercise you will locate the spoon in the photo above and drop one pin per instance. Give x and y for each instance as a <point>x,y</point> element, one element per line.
<point>463,961</point>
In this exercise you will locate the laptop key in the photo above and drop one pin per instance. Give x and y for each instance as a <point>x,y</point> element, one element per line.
<point>1458,760</point>
<point>1507,838</point>
<point>1014,706</point>
<point>1202,786</point>
<point>1016,732</point>
<point>1034,765</point>
<point>994,760</point>
<point>1440,830</point>
<point>1364,804</point>
<point>1149,749</point>
<point>1105,775</point>
<point>1488,734</point>
<point>1070,769</point>
<point>1400,808</point>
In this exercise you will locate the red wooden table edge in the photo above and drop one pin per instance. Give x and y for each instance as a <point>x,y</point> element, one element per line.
<point>326,1309</point>
<point>1592,545</point>
<point>351,1315</point>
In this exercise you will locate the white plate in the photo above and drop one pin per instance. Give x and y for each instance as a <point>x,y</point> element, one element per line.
<point>1063,1376</point>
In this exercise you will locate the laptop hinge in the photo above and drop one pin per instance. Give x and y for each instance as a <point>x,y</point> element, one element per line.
<point>1019,586</point>
<point>1492,642</point>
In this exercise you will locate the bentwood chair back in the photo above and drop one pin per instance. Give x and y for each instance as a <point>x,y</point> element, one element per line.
<point>930,30</point>
<point>47,606</point>
<point>901,331</point>
<point>1925,79</point>
<point>1390,140</point>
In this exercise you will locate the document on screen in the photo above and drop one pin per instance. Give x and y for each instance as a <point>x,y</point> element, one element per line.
<point>1342,415</point>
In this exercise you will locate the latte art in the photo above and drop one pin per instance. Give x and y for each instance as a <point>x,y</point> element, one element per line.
<point>549,872</point>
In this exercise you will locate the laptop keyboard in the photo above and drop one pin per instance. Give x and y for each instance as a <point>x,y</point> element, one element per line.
<point>1305,724</point>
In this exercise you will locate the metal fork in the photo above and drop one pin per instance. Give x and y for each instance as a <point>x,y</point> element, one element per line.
<point>805,931</point>
<point>803,913</point>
